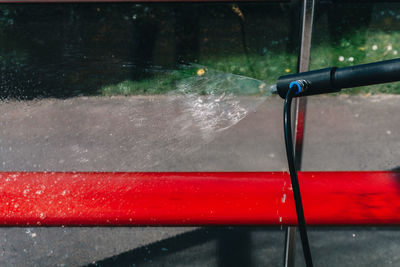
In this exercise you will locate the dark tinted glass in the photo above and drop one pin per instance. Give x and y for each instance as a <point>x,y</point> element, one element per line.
<point>69,50</point>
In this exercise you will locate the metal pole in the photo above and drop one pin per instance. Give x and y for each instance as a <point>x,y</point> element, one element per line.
<point>300,114</point>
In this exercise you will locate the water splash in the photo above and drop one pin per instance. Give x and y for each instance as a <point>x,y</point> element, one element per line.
<point>217,100</point>
<point>208,102</point>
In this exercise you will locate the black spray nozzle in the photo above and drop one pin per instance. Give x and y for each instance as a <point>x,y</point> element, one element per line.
<point>334,79</point>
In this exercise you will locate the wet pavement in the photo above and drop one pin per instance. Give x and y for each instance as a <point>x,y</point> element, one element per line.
<point>145,134</point>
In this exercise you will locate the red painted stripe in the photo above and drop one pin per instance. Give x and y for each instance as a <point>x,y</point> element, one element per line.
<point>330,198</point>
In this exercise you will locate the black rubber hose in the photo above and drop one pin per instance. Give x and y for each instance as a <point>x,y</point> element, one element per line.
<point>293,174</point>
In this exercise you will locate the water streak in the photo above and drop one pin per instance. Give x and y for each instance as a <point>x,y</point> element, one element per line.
<point>217,100</point>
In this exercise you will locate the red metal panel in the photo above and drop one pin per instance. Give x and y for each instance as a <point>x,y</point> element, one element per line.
<point>330,198</point>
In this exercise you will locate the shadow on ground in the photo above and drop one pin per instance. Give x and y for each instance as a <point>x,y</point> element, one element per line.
<point>211,246</point>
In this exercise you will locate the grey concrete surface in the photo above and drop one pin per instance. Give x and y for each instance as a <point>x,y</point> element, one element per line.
<point>352,133</point>
<point>137,134</point>
<point>160,134</point>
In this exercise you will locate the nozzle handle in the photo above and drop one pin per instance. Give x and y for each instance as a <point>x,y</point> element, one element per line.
<point>334,79</point>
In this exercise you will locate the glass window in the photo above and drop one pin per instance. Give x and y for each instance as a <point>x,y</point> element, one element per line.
<point>143,87</point>
<point>365,137</point>
<point>357,129</point>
